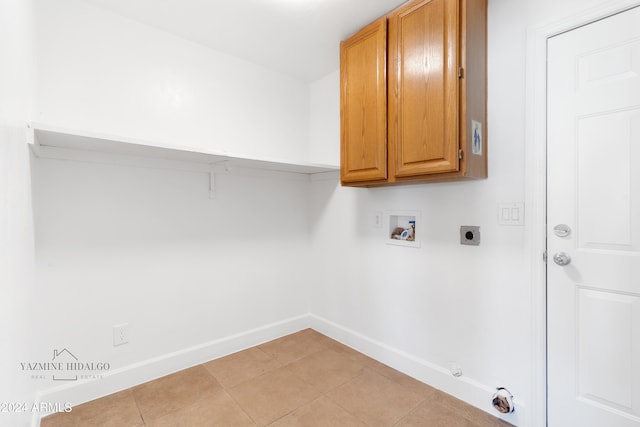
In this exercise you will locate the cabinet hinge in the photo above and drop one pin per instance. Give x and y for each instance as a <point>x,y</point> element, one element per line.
<point>460,72</point>
<point>460,153</point>
<point>544,257</point>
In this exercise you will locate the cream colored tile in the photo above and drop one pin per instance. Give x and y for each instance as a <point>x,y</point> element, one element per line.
<point>336,346</point>
<point>469,412</point>
<point>406,381</point>
<point>280,382</point>
<point>295,346</point>
<point>322,412</point>
<point>325,369</point>
<point>319,338</point>
<point>375,399</point>
<point>238,367</point>
<point>431,414</point>
<point>272,395</point>
<point>213,409</point>
<point>115,410</point>
<point>58,420</point>
<point>420,388</point>
<point>356,356</point>
<point>173,392</point>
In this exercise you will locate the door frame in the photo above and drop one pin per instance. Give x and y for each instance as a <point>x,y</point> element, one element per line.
<point>535,184</point>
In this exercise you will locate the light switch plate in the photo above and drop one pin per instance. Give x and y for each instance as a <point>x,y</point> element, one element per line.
<point>511,214</point>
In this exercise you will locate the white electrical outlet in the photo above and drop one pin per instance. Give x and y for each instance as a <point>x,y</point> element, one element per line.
<point>120,334</point>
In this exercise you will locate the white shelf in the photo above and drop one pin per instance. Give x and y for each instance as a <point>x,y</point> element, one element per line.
<point>46,137</point>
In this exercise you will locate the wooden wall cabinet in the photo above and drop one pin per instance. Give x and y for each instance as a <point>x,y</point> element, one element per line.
<point>413,95</point>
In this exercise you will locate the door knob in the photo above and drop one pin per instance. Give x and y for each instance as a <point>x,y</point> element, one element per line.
<point>562,259</point>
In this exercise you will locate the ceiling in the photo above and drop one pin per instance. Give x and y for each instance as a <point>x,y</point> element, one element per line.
<point>297,37</point>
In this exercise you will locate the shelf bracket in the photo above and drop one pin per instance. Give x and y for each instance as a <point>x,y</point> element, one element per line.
<point>212,185</point>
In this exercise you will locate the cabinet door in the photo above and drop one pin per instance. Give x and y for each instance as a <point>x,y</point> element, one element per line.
<point>423,88</point>
<point>363,104</point>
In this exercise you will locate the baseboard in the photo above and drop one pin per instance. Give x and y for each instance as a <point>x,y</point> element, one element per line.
<point>467,389</point>
<point>129,376</point>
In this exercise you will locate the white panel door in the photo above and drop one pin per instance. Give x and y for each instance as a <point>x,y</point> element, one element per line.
<point>593,187</point>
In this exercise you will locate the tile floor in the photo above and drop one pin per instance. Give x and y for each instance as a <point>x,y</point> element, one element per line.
<point>303,379</point>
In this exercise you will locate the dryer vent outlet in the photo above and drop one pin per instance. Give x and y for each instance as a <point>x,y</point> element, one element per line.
<point>470,235</point>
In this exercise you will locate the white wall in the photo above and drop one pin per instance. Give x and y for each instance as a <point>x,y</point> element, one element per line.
<point>16,273</point>
<point>421,309</point>
<point>439,303</point>
<point>324,129</point>
<point>16,224</point>
<point>102,73</point>
<point>147,246</point>
<point>442,302</point>
<point>194,277</point>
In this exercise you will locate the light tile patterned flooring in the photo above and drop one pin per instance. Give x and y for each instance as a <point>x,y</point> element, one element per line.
<point>302,379</point>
